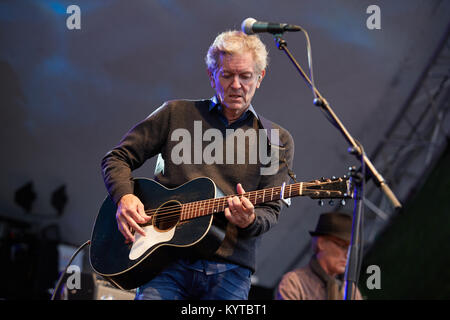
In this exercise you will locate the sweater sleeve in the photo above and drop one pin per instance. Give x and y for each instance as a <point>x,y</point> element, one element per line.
<point>142,142</point>
<point>267,213</point>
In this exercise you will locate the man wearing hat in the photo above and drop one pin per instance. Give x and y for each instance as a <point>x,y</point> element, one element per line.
<point>318,280</point>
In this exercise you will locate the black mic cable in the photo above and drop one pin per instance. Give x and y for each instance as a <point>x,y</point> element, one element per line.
<point>251,26</point>
<point>65,270</point>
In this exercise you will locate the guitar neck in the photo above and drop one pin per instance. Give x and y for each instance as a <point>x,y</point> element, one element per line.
<point>205,207</point>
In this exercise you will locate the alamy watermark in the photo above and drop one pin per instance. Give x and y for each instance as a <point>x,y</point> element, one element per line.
<point>234,143</point>
<point>374,280</point>
<point>73,22</point>
<point>374,20</point>
<point>73,281</point>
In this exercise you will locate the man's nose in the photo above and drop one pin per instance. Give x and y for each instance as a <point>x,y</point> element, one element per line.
<point>236,84</point>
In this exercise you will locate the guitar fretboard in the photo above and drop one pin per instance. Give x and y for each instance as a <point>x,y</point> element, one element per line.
<point>205,207</point>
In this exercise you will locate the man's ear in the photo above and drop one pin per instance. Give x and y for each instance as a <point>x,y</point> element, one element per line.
<point>260,78</point>
<point>320,243</point>
<point>211,78</point>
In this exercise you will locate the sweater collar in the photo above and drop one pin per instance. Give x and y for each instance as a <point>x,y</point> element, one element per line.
<point>215,103</point>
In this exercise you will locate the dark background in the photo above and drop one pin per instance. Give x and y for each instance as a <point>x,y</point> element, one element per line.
<point>68,96</point>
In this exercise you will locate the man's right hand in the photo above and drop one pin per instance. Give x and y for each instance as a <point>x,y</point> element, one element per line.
<point>130,213</point>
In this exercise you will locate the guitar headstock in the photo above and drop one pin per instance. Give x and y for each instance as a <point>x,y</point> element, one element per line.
<point>334,188</point>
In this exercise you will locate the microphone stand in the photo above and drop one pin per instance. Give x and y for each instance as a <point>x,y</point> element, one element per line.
<point>355,248</point>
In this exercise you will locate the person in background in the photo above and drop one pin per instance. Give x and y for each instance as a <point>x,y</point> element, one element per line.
<point>319,279</point>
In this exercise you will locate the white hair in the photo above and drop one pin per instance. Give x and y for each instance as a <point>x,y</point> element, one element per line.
<point>236,42</point>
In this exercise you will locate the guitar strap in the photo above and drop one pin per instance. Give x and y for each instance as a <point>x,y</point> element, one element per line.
<point>268,125</point>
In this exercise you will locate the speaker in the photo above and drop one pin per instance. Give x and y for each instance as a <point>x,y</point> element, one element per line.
<point>94,287</point>
<point>105,291</point>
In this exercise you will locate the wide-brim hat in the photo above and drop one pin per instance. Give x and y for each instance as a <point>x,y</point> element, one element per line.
<point>336,224</point>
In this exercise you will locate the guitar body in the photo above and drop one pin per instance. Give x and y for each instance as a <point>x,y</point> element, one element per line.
<point>167,238</point>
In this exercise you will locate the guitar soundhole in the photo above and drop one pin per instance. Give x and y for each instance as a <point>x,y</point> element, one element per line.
<point>167,216</point>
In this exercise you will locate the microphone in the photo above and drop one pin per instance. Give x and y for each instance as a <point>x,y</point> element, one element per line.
<point>251,26</point>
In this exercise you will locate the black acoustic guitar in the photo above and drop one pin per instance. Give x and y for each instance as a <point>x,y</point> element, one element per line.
<point>182,219</point>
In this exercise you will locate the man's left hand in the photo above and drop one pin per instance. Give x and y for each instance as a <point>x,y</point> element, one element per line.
<point>240,211</point>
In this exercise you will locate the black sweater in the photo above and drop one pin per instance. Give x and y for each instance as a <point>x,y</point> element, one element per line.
<point>154,136</point>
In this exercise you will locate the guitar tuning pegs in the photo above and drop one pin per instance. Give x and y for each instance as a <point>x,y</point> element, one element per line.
<point>333,178</point>
<point>331,202</point>
<point>321,202</point>
<point>351,170</point>
<point>343,202</point>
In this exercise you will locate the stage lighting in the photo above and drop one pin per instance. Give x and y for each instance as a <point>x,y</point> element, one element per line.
<point>25,196</point>
<point>59,199</point>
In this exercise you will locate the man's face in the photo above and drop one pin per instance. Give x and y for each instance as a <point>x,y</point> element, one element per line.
<point>236,81</point>
<point>333,253</point>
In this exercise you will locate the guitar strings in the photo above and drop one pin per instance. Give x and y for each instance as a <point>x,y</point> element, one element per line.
<point>248,195</point>
<point>216,201</point>
<point>174,212</point>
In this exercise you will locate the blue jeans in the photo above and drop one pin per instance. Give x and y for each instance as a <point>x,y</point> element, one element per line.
<point>178,282</point>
